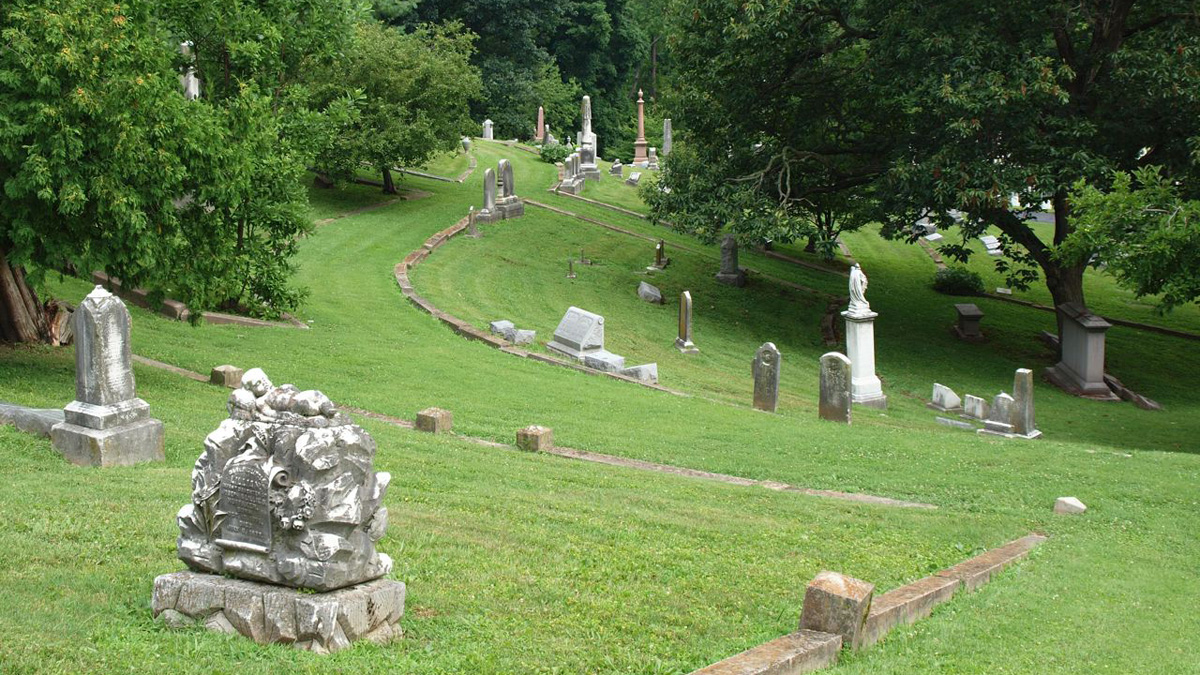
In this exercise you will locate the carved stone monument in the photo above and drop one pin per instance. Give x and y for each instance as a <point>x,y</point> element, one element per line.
<point>652,161</point>
<point>999,421</point>
<point>635,177</point>
<point>489,213</point>
<point>684,342</point>
<point>865,389</point>
<point>1024,424</point>
<point>539,132</point>
<point>666,144</point>
<point>588,169</point>
<point>509,205</point>
<point>975,408</point>
<point>660,259</point>
<point>616,169</point>
<point>1080,371</point>
<point>106,424</point>
<point>640,158</point>
<point>572,181</point>
<point>836,372</point>
<point>730,272</point>
<point>487,130</point>
<point>579,333</point>
<point>766,368</point>
<point>285,497</point>
<point>944,399</point>
<point>587,137</point>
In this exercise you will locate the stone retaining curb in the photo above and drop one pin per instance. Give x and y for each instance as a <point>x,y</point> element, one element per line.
<point>36,421</point>
<point>173,309</point>
<point>468,331</point>
<point>806,651</point>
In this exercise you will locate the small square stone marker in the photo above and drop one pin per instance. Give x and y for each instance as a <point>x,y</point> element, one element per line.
<point>226,376</point>
<point>535,438</point>
<point>838,604</point>
<point>435,420</point>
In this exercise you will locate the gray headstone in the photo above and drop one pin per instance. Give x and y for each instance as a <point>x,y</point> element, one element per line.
<point>645,373</point>
<point>944,399</point>
<point>1023,419</point>
<point>504,328</point>
<point>765,368</point>
<point>684,342</point>
<point>617,168</point>
<point>999,421</point>
<point>605,361</point>
<point>835,388</point>
<point>507,188</point>
<point>652,162</point>
<point>730,272</point>
<point>579,331</point>
<point>975,407</point>
<point>634,178</point>
<point>284,493</point>
<point>524,337</point>
<point>489,191</point>
<point>106,424</point>
<point>487,130</point>
<point>666,145</point>
<point>649,293</point>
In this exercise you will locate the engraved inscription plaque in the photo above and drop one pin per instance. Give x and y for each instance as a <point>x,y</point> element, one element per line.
<point>244,501</point>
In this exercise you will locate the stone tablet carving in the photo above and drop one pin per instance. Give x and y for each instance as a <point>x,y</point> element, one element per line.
<point>106,424</point>
<point>835,388</point>
<point>284,493</point>
<point>1023,419</point>
<point>666,144</point>
<point>487,130</point>
<point>975,407</point>
<point>684,342</point>
<point>766,367</point>
<point>730,272</point>
<point>579,332</point>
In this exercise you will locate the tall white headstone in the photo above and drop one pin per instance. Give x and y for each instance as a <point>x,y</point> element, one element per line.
<point>487,130</point>
<point>865,387</point>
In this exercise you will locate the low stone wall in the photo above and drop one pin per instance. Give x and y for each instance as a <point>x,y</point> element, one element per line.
<point>173,309</point>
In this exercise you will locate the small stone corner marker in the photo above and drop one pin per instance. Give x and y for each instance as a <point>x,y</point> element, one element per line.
<point>226,376</point>
<point>838,604</point>
<point>535,438</point>
<point>1068,506</point>
<point>435,421</point>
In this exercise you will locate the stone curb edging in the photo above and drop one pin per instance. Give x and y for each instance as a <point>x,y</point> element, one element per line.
<point>173,309</point>
<point>605,205</point>
<point>461,178</point>
<point>465,329</point>
<point>805,650</point>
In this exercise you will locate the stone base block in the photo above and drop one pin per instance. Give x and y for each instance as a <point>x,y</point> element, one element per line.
<point>141,441</point>
<point>591,173</point>
<point>1062,377</point>
<point>269,614</point>
<point>973,338</point>
<point>686,346</point>
<point>226,376</point>
<point>435,420</point>
<point>738,279</point>
<point>535,438</point>
<point>486,216</point>
<point>838,604</point>
<point>604,361</point>
<point>878,402</point>
<point>513,209</point>
<point>571,187</point>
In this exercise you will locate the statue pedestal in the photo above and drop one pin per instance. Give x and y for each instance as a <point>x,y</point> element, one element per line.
<point>641,158</point>
<point>865,387</point>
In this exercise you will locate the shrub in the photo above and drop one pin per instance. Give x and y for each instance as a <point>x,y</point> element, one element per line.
<point>554,153</point>
<point>958,281</point>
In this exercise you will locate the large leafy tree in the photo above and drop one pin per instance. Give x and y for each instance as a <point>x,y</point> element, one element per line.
<point>909,109</point>
<point>412,93</point>
<point>104,164</point>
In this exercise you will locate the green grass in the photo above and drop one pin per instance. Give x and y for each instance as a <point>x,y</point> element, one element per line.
<point>520,563</point>
<point>447,164</point>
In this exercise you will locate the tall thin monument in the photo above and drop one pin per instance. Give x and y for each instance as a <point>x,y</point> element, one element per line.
<point>640,157</point>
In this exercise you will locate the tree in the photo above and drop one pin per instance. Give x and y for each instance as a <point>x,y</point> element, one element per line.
<point>412,93</point>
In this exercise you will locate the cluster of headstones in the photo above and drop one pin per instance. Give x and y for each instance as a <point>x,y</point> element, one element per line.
<point>927,229</point>
<point>509,331</point>
<point>572,175</point>
<point>1007,416</point>
<point>992,244</point>
<point>580,336</point>
<point>508,204</point>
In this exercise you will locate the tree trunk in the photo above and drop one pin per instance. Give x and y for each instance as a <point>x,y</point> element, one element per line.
<point>654,69</point>
<point>389,188</point>
<point>22,318</point>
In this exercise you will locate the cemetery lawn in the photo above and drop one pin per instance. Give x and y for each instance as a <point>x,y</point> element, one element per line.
<point>520,563</point>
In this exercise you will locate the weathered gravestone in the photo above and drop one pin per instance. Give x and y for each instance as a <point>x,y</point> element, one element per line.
<point>969,316</point>
<point>284,497</point>
<point>660,259</point>
<point>765,367</point>
<point>539,132</point>
<point>999,421</point>
<point>666,145</point>
<point>579,333</point>
<point>684,341</point>
<point>106,424</point>
<point>944,399</point>
<point>1080,371</point>
<point>1023,421</point>
<point>509,205</point>
<point>588,169</point>
<point>487,130</point>
<point>730,272</point>
<point>650,293</point>
<point>634,178</point>
<point>652,162</point>
<point>472,224</point>
<point>838,604</point>
<point>836,371</point>
<point>975,407</point>
<point>616,169</point>
<point>489,213</point>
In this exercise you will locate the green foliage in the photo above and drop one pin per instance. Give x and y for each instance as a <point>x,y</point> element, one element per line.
<point>410,91</point>
<point>554,153</point>
<point>958,281</point>
<point>1144,231</point>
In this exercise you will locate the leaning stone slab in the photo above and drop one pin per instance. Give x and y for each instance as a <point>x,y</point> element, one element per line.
<point>604,361</point>
<point>957,424</point>
<point>643,373</point>
<point>106,424</point>
<point>906,605</point>
<point>944,399</point>
<point>435,420</point>
<point>804,651</point>
<point>523,337</point>
<point>1069,506</point>
<point>36,421</point>
<point>504,328</point>
<point>267,614</point>
<point>535,438</point>
<point>649,293</point>
<point>975,407</point>
<point>634,178</point>
<point>838,604</point>
<point>579,332</point>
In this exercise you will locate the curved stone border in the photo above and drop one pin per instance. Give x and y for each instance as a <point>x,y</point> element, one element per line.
<point>471,332</point>
<point>462,177</point>
<point>807,650</point>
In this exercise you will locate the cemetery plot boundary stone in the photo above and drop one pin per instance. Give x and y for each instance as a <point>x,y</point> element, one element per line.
<point>106,424</point>
<point>535,438</point>
<point>226,376</point>
<point>435,421</point>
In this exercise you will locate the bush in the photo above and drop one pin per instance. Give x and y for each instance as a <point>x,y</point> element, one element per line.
<point>958,281</point>
<point>554,153</point>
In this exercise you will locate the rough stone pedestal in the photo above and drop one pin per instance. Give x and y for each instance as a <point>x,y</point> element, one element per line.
<point>141,441</point>
<point>838,604</point>
<point>535,438</point>
<point>270,614</point>
<point>226,376</point>
<point>865,387</point>
<point>969,316</point>
<point>435,420</point>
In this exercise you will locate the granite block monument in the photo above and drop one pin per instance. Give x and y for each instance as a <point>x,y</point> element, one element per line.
<point>866,389</point>
<point>684,342</point>
<point>730,273</point>
<point>509,205</point>
<point>1080,370</point>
